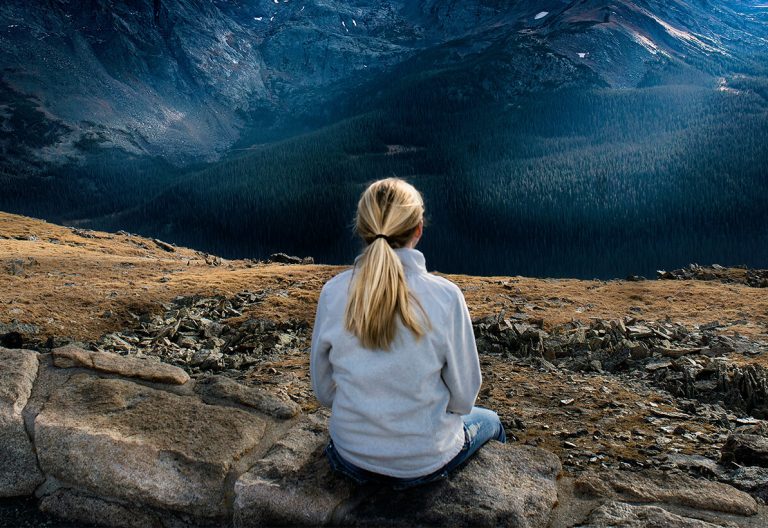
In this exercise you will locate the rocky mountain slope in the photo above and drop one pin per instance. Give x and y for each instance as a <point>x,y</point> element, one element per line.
<point>648,391</point>
<point>186,80</point>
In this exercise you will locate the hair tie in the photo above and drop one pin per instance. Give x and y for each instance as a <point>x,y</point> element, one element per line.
<point>381,235</point>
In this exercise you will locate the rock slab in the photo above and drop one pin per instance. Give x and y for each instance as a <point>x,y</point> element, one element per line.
<point>659,487</point>
<point>221,388</point>
<point>293,484</point>
<point>118,439</point>
<point>129,367</point>
<point>621,515</point>
<point>77,506</point>
<point>19,473</point>
<point>502,485</point>
<point>747,446</point>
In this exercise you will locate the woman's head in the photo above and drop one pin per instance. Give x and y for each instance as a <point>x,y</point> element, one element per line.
<point>393,209</point>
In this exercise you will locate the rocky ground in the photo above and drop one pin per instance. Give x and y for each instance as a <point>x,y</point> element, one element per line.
<point>654,380</point>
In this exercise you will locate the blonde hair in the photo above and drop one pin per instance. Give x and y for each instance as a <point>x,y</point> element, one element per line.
<point>393,208</point>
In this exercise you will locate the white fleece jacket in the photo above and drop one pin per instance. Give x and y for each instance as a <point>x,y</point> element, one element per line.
<point>397,412</point>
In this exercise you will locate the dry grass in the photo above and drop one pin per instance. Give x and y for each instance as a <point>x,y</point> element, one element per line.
<point>82,288</point>
<point>68,283</point>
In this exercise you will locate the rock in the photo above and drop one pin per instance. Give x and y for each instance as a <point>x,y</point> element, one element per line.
<point>219,387</point>
<point>675,352</point>
<point>208,359</point>
<point>165,246</point>
<point>25,329</point>
<point>501,485</point>
<point>77,506</point>
<point>670,414</point>
<point>637,349</point>
<point>621,515</point>
<point>752,479</point>
<point>49,379</point>
<point>697,463</point>
<point>747,446</point>
<point>756,278</point>
<point>19,473</point>
<point>124,441</point>
<point>72,356</point>
<point>655,486</point>
<point>11,340</point>
<point>293,484</point>
<point>282,258</point>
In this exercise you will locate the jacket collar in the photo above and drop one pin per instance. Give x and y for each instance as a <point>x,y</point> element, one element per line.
<point>412,259</point>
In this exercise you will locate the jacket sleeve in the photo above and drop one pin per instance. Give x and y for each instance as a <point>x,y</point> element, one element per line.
<point>319,363</point>
<point>461,371</point>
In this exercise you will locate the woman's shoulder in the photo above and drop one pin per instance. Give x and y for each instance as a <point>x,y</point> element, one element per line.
<point>339,280</point>
<point>439,286</point>
<point>441,282</point>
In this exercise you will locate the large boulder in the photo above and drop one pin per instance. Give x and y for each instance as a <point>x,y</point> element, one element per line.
<point>129,367</point>
<point>292,484</point>
<point>117,439</point>
<point>74,505</point>
<point>660,487</point>
<point>502,485</point>
<point>19,473</point>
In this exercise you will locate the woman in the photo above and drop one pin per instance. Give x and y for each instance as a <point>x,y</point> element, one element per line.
<point>394,356</point>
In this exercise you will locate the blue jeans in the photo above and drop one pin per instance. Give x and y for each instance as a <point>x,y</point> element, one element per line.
<point>480,426</point>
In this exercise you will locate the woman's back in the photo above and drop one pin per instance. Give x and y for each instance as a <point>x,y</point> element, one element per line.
<point>394,356</point>
<point>397,412</point>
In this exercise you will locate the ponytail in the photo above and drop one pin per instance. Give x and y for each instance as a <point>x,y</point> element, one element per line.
<point>388,213</point>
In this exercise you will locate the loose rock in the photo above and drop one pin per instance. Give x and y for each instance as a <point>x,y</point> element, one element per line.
<point>72,356</point>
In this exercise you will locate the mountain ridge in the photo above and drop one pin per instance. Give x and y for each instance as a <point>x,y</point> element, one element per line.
<point>186,80</point>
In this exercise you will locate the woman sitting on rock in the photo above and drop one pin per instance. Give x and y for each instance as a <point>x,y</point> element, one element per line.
<point>394,356</point>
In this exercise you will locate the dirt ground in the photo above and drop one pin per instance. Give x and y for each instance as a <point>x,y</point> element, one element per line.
<point>83,284</point>
<point>80,287</point>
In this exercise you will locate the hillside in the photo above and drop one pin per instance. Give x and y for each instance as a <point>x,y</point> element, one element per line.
<point>243,129</point>
<point>121,292</point>
<point>64,280</point>
<point>187,80</point>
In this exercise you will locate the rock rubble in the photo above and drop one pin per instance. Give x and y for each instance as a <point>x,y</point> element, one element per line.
<point>756,278</point>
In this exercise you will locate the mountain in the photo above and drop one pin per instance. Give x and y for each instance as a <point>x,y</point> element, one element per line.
<point>581,138</point>
<point>188,79</point>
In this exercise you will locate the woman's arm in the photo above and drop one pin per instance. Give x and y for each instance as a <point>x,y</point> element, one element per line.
<point>461,372</point>
<point>319,364</point>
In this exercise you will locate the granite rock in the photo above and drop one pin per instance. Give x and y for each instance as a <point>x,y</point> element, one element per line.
<point>19,472</point>
<point>121,440</point>
<point>621,515</point>
<point>130,367</point>
<point>659,487</point>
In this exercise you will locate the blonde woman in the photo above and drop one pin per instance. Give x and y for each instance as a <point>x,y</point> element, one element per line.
<point>394,356</point>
